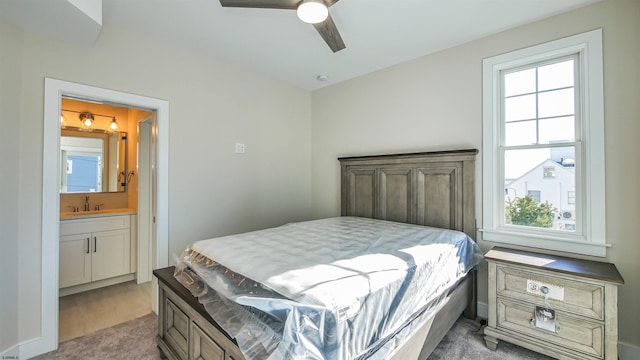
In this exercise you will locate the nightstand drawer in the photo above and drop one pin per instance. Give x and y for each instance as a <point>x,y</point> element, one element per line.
<point>573,332</point>
<point>580,297</point>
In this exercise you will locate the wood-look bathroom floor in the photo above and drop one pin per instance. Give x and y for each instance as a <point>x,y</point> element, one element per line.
<point>90,311</point>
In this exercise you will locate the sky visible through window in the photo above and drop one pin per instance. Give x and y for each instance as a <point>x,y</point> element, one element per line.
<point>539,108</point>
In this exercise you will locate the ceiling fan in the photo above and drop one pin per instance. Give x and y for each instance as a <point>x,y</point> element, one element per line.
<point>315,12</point>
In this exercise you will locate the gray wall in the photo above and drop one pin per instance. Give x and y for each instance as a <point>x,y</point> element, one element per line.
<point>213,105</point>
<point>430,103</point>
<point>435,102</point>
<point>10,84</point>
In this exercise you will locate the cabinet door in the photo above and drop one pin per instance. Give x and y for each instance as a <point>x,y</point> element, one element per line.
<point>176,329</point>
<point>203,347</point>
<point>75,259</point>
<point>110,254</point>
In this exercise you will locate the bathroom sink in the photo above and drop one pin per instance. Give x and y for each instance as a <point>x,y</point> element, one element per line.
<point>92,213</point>
<point>111,211</point>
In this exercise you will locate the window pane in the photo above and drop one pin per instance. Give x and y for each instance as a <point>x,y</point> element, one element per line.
<point>555,76</point>
<point>520,133</point>
<point>556,103</point>
<point>520,82</point>
<point>518,162</point>
<point>520,108</point>
<point>535,194</point>
<point>565,156</point>
<point>83,173</point>
<point>556,129</point>
<point>549,172</point>
<point>535,200</point>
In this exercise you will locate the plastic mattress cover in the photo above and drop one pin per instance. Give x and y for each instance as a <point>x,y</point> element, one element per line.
<point>338,288</point>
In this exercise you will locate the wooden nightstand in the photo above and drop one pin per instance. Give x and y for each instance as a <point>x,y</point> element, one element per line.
<point>582,294</point>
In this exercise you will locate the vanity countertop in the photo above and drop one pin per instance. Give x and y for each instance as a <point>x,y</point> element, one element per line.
<point>67,215</point>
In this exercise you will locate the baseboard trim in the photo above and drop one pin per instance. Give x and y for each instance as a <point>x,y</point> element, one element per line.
<point>11,353</point>
<point>28,349</point>
<point>482,310</point>
<point>95,285</point>
<point>628,351</point>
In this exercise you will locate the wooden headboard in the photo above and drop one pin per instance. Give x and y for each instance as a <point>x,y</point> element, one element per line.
<point>429,188</point>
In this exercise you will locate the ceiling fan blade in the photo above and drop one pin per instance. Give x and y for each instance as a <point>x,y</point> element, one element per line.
<point>330,34</point>
<point>264,4</point>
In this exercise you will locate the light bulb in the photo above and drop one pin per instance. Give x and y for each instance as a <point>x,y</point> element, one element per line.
<point>87,120</point>
<point>113,125</point>
<point>312,12</point>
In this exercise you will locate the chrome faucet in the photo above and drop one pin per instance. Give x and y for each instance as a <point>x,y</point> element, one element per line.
<point>86,203</point>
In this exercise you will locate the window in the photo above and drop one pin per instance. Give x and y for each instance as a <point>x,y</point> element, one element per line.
<point>83,161</point>
<point>543,126</point>
<point>535,194</point>
<point>549,172</point>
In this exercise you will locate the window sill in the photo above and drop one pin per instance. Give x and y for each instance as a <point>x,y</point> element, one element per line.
<point>547,243</point>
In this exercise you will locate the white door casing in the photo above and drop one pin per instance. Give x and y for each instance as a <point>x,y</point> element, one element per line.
<point>54,90</point>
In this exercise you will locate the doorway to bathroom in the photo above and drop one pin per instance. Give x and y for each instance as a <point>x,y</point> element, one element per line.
<point>106,207</point>
<point>155,188</point>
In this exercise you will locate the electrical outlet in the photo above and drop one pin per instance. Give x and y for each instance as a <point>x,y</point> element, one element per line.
<point>240,149</point>
<point>545,290</point>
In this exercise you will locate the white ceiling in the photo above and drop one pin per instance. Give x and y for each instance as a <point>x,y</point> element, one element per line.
<point>377,33</point>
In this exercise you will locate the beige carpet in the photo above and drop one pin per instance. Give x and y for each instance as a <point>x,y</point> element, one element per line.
<point>465,341</point>
<point>132,340</point>
<point>135,340</point>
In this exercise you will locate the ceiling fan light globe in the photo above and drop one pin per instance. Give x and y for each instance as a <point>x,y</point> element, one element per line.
<point>312,12</point>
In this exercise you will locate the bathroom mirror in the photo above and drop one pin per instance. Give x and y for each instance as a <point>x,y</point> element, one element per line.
<point>92,161</point>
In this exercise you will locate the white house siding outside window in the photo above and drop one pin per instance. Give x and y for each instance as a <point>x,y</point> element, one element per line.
<point>543,146</point>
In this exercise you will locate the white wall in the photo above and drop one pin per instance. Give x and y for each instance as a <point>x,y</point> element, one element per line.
<point>435,103</point>
<point>11,50</point>
<point>212,191</point>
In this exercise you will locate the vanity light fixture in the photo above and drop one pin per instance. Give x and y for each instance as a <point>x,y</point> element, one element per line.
<point>87,120</point>
<point>114,125</point>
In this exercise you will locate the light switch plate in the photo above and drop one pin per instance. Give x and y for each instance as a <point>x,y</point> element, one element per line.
<point>240,149</point>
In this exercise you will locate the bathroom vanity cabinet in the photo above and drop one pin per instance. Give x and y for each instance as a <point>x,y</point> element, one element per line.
<point>93,250</point>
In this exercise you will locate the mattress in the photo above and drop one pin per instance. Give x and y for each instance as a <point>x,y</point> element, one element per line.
<point>337,288</point>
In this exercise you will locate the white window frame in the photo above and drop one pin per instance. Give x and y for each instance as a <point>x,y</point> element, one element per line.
<point>590,180</point>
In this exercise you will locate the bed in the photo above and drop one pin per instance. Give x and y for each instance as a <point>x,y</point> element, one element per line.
<point>386,280</point>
